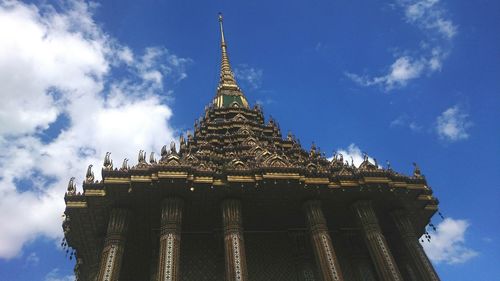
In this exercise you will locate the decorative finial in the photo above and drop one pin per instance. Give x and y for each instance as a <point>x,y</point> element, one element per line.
<point>124,165</point>
<point>227,83</point>
<point>72,186</point>
<point>141,158</point>
<point>416,172</point>
<point>172,147</point>
<point>89,177</point>
<point>152,159</point>
<point>388,164</point>
<point>108,163</point>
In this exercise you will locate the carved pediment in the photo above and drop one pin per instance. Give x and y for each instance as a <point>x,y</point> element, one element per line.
<point>276,160</point>
<point>237,164</point>
<point>239,117</point>
<point>190,159</point>
<point>171,160</point>
<point>250,141</point>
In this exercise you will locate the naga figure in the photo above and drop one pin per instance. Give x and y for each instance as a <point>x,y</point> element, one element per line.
<point>108,163</point>
<point>72,186</point>
<point>89,177</point>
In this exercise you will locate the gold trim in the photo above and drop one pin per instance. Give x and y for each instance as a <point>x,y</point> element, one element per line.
<point>116,180</point>
<point>430,207</point>
<point>424,197</point>
<point>416,186</point>
<point>348,183</point>
<point>173,175</point>
<point>94,192</point>
<point>203,180</point>
<point>376,179</point>
<point>76,205</point>
<point>399,184</point>
<point>316,181</point>
<point>281,176</point>
<point>240,179</point>
<point>140,178</point>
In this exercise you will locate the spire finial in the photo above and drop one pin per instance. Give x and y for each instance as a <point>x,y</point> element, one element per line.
<point>228,91</point>
<point>221,20</point>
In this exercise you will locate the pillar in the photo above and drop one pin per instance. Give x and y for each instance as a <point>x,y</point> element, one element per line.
<point>380,253</point>
<point>114,245</point>
<point>419,259</point>
<point>326,259</point>
<point>170,239</point>
<point>234,246</point>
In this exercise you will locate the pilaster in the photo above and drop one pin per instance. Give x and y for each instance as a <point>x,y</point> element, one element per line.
<point>423,266</point>
<point>170,239</point>
<point>234,246</point>
<point>380,253</point>
<point>114,245</point>
<point>326,259</point>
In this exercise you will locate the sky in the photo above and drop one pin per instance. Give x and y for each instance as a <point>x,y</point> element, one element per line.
<point>402,80</point>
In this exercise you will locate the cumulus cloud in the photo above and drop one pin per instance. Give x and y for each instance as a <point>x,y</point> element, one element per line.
<point>448,243</point>
<point>250,75</point>
<point>452,124</point>
<point>59,69</point>
<point>431,18</point>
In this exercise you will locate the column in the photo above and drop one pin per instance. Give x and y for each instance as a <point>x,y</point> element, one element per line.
<point>114,245</point>
<point>170,239</point>
<point>234,246</point>
<point>380,253</point>
<point>326,259</point>
<point>410,240</point>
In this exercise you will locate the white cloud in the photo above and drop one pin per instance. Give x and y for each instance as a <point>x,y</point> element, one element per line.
<point>54,275</point>
<point>32,259</point>
<point>354,153</point>
<point>428,15</point>
<point>431,18</point>
<point>405,121</point>
<point>448,243</point>
<point>250,75</point>
<point>58,62</point>
<point>452,124</point>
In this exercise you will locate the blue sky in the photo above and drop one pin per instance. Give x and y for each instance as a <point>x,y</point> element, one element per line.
<point>404,80</point>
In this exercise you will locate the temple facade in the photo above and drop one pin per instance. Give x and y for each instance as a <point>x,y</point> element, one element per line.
<point>236,200</point>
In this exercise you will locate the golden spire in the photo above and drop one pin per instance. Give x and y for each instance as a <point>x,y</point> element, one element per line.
<point>227,83</point>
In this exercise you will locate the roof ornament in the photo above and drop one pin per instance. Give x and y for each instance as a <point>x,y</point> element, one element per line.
<point>227,83</point>
<point>164,151</point>
<point>72,186</point>
<point>108,163</point>
<point>89,177</point>
<point>416,172</point>
<point>173,150</point>
<point>388,164</point>
<point>152,159</point>
<point>124,165</point>
<point>141,158</point>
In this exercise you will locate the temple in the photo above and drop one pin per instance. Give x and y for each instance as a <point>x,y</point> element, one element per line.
<point>237,200</point>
